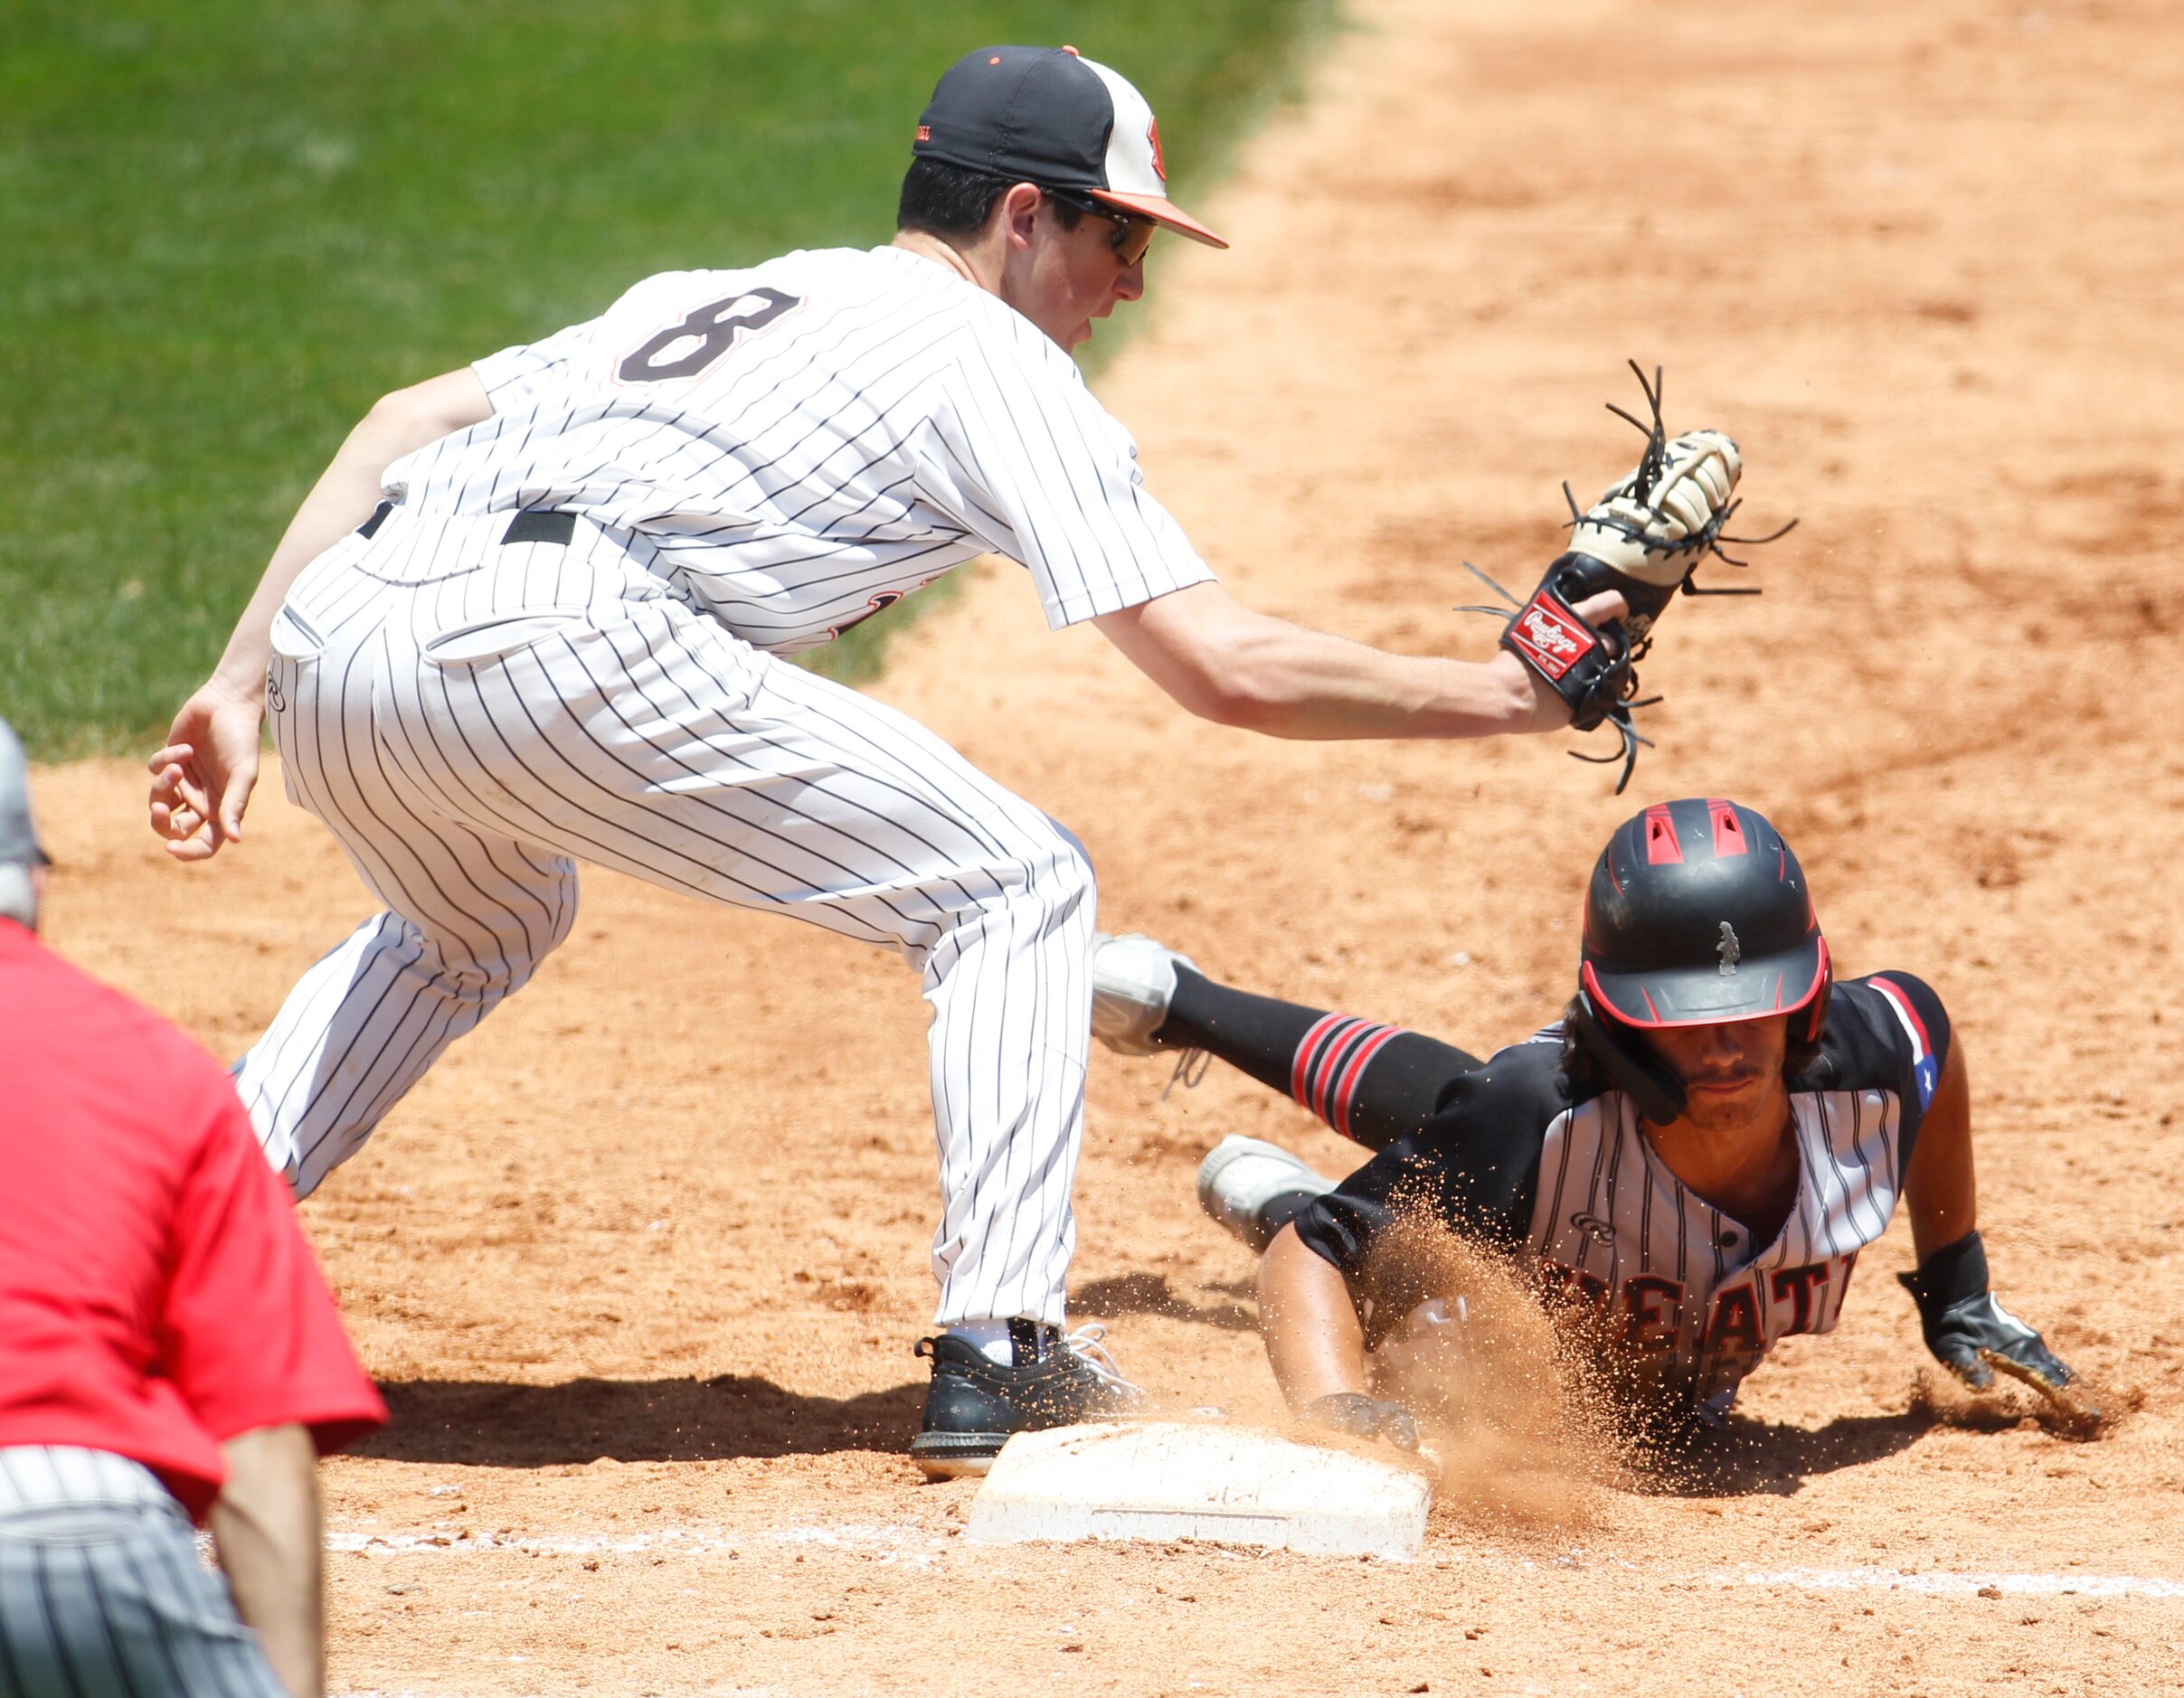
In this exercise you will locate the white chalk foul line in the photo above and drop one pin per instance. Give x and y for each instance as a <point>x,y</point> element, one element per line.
<point>1941,1583</point>
<point>907,1538</point>
<point>684,1540</point>
<point>918,1545</point>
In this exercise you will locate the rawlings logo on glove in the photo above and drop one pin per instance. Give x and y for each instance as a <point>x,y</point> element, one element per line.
<point>1550,636</point>
<point>1643,538</point>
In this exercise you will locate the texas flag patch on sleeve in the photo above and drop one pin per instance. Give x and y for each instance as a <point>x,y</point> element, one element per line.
<point>1925,1067</point>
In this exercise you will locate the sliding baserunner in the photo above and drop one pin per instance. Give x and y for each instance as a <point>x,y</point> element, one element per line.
<point>1688,1163</point>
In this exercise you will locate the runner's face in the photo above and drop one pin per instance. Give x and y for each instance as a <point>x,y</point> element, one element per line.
<point>1732,1074</point>
<point>1065,278</point>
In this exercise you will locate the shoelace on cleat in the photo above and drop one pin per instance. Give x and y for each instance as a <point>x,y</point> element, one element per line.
<point>1190,1068</point>
<point>1086,1345</point>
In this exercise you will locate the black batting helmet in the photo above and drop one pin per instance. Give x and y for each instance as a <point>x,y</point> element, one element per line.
<point>1698,914</point>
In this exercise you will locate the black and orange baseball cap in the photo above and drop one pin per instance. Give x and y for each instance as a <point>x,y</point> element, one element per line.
<point>1050,116</point>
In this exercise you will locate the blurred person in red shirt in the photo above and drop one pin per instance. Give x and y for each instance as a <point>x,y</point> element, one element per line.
<point>168,1350</point>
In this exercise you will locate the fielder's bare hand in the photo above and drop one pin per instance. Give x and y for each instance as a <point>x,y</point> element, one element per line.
<point>202,781</point>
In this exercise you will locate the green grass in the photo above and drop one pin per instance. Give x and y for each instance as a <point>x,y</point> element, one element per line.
<point>227,226</point>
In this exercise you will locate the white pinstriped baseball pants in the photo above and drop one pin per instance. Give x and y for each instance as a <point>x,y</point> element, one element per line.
<point>101,1592</point>
<point>494,713</point>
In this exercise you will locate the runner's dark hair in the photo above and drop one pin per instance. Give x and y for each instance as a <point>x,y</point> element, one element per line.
<point>1588,1079</point>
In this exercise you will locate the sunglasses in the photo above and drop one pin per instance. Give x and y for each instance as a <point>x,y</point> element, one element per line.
<point>1133,235</point>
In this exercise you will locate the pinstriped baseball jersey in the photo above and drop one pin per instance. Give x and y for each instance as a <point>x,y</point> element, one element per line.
<point>1575,1190</point>
<point>557,643</point>
<point>795,445</point>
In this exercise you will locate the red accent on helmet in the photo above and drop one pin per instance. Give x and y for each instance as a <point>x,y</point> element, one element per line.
<point>1685,924</point>
<point>1728,831</point>
<point>1816,1016</point>
<point>1662,844</point>
<point>1812,1001</point>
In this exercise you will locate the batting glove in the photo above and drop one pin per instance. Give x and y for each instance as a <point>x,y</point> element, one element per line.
<point>1363,1417</point>
<point>1969,1331</point>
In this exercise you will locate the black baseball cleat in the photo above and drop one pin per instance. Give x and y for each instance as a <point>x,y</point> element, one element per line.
<point>975,1402</point>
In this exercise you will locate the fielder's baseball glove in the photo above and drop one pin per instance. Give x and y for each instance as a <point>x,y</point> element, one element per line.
<point>1645,537</point>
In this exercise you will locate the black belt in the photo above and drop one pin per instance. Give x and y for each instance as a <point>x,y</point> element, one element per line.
<point>540,525</point>
<point>532,525</point>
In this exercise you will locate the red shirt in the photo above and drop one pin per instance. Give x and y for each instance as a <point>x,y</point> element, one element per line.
<point>156,1296</point>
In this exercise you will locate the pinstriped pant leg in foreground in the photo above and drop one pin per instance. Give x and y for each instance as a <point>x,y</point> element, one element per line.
<point>655,742</point>
<point>112,1601</point>
<point>464,772</point>
<point>470,912</point>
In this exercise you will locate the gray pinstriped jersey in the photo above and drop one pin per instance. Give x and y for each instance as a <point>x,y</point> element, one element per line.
<point>101,1590</point>
<point>43,1477</point>
<point>882,420</point>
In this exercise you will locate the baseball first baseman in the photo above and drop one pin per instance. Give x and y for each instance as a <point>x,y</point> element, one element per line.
<point>533,612</point>
<point>1687,1164</point>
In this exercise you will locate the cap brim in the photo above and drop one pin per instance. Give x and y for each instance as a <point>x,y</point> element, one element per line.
<point>1162,211</point>
<point>1707,996</point>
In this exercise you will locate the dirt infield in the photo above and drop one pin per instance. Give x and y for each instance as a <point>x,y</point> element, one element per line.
<point>641,1263</point>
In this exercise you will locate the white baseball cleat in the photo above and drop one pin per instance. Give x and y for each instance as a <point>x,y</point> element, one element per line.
<point>1133,977</point>
<point>1239,1177</point>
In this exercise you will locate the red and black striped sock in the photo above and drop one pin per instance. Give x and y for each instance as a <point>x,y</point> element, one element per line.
<point>1370,1082</point>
